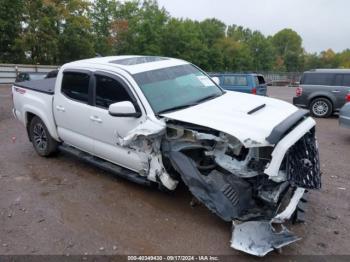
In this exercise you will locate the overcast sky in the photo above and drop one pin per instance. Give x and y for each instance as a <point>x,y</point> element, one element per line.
<point>322,24</point>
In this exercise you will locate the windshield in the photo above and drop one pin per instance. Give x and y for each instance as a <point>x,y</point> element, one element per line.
<point>176,87</point>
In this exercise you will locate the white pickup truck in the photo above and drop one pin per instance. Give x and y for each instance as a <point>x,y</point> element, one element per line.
<point>157,120</point>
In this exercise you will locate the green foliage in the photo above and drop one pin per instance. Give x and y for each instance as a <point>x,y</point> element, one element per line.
<point>10,28</point>
<point>184,39</point>
<point>235,56</point>
<point>344,59</point>
<point>239,33</point>
<point>59,31</point>
<point>144,24</point>
<point>101,15</point>
<point>288,48</point>
<point>75,41</point>
<point>38,40</point>
<point>261,51</point>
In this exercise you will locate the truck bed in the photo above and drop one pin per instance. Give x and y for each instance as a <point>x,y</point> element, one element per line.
<point>46,86</point>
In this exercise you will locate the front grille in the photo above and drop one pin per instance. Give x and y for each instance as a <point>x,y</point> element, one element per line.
<point>302,163</point>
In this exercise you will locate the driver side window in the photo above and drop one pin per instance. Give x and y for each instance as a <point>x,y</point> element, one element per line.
<point>109,91</point>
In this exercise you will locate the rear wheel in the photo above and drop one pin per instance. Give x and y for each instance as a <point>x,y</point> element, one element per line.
<point>321,107</point>
<point>42,141</point>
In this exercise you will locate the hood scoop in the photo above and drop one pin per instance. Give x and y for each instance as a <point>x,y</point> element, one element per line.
<point>256,109</point>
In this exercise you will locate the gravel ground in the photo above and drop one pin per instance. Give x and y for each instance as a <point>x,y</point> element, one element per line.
<point>61,205</point>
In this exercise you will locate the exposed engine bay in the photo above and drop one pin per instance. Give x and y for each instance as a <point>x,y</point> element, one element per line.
<point>230,179</point>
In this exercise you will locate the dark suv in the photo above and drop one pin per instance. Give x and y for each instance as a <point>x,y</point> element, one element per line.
<point>323,91</point>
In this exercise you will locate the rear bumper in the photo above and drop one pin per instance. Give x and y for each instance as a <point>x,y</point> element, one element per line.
<point>344,116</point>
<point>344,121</point>
<point>299,102</point>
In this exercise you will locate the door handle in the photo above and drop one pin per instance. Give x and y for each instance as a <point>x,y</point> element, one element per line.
<point>335,91</point>
<point>60,108</point>
<point>96,119</point>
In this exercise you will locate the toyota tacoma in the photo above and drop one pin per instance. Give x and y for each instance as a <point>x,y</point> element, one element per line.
<point>158,121</point>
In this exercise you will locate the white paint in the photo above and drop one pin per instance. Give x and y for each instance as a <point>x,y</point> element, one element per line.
<point>289,210</point>
<point>125,107</point>
<point>229,114</point>
<point>105,63</point>
<point>93,130</point>
<point>281,148</point>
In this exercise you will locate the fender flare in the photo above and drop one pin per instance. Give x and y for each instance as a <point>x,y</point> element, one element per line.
<point>326,95</point>
<point>50,125</point>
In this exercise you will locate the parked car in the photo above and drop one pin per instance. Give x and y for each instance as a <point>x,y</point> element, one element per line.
<point>245,83</point>
<point>344,115</point>
<point>29,76</point>
<point>158,121</point>
<point>323,91</point>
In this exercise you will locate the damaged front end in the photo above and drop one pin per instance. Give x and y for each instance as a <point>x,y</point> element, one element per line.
<point>253,186</point>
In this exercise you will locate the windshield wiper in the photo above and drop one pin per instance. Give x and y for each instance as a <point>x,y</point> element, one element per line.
<point>206,99</point>
<point>175,108</point>
<point>188,105</point>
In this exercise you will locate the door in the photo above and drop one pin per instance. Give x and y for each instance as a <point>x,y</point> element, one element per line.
<point>72,109</point>
<point>261,86</point>
<point>107,129</point>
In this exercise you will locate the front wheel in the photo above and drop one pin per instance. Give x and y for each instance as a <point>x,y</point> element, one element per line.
<point>42,141</point>
<point>321,107</point>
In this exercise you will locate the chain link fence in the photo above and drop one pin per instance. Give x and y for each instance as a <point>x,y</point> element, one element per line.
<point>282,78</point>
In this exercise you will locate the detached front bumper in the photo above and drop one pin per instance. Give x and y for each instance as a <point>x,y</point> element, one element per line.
<point>296,155</point>
<point>260,237</point>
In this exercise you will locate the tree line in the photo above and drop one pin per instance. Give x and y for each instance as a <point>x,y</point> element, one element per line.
<point>59,31</point>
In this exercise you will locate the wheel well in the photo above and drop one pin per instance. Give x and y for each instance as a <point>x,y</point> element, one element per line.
<point>29,119</point>
<point>325,97</point>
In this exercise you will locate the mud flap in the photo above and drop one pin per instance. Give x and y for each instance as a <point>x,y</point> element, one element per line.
<point>259,237</point>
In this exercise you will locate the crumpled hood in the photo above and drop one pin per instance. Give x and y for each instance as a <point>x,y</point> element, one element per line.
<point>229,114</point>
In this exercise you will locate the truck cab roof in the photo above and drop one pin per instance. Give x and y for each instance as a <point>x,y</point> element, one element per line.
<point>130,64</point>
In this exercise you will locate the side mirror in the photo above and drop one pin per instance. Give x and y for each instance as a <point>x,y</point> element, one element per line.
<point>123,109</point>
<point>216,80</point>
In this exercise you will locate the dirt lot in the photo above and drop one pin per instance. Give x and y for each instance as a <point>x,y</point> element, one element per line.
<point>61,205</point>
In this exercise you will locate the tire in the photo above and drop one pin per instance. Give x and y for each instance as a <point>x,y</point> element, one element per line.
<point>41,139</point>
<point>321,107</point>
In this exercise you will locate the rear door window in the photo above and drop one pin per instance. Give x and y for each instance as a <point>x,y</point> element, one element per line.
<point>346,80</point>
<point>235,81</point>
<point>76,86</point>
<point>318,79</point>
<point>261,80</point>
<point>338,80</point>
